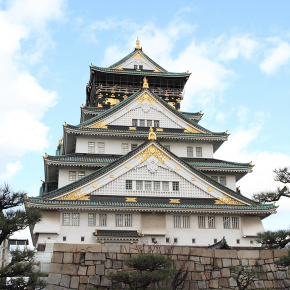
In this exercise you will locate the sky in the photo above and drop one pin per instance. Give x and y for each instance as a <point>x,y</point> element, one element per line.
<point>238,54</point>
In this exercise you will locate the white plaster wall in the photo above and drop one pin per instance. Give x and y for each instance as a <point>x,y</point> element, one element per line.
<point>231,180</point>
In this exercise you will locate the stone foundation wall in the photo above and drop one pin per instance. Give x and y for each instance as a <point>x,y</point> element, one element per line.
<point>82,266</point>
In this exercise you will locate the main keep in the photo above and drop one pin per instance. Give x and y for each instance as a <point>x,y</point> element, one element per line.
<point>138,170</point>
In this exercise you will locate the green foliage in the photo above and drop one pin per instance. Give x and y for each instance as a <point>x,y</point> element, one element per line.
<point>274,240</point>
<point>146,269</point>
<point>243,275</point>
<point>284,261</point>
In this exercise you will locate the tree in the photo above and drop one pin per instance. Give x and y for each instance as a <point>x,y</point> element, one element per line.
<point>282,175</point>
<point>243,275</point>
<point>274,240</point>
<point>284,261</point>
<point>147,268</point>
<point>13,219</point>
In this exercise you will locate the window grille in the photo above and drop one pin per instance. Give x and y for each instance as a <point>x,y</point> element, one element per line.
<point>140,66</point>
<point>201,222</point>
<point>156,185</point>
<point>75,219</point>
<point>167,240</point>
<point>193,241</point>
<point>135,66</point>
<point>128,220</point>
<point>149,123</point>
<point>167,147</point>
<point>91,147</point>
<point>91,219</point>
<point>165,185</point>
<point>189,151</point>
<point>238,241</point>
<point>102,220</point>
<point>72,176</point>
<point>227,222</point>
<point>134,122</point>
<point>185,221</point>
<point>125,148</point>
<point>128,184</point>
<point>133,146</point>
<point>156,123</point>
<point>119,220</point>
<point>198,151</point>
<point>65,219</point>
<point>82,239</point>
<point>177,221</point>
<point>211,222</point>
<point>235,222</point>
<point>139,185</point>
<point>142,123</point>
<point>215,178</point>
<point>101,147</point>
<point>215,241</point>
<point>175,185</point>
<point>148,185</point>
<point>223,180</point>
<point>64,239</point>
<point>175,240</point>
<point>81,174</point>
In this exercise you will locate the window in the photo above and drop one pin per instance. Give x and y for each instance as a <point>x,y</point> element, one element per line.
<point>149,123</point>
<point>177,221</point>
<point>140,66</point>
<point>153,240</point>
<point>139,185</point>
<point>175,240</point>
<point>91,147</point>
<point>75,219</point>
<point>64,239</point>
<point>81,174</point>
<point>72,176</point>
<point>133,146</point>
<point>185,221</point>
<point>211,222</point>
<point>129,184</point>
<point>189,151</point>
<point>148,185</point>
<point>156,185</point>
<point>103,220</point>
<point>135,66</point>
<point>223,180</point>
<point>134,122</point>
<point>193,241</point>
<point>91,219</point>
<point>198,151</point>
<point>167,147</point>
<point>142,123</point>
<point>235,222</point>
<point>156,123</point>
<point>101,147</point>
<point>215,241</point>
<point>119,220</point>
<point>175,185</point>
<point>125,148</point>
<point>215,178</point>
<point>238,241</point>
<point>128,220</point>
<point>251,242</point>
<point>167,240</point>
<point>201,222</point>
<point>65,219</point>
<point>227,222</point>
<point>82,239</point>
<point>165,185</point>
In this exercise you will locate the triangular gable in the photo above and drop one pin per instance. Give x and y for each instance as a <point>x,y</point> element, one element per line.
<point>150,161</point>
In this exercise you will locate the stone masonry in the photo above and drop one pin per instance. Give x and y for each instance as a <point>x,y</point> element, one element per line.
<point>81,266</point>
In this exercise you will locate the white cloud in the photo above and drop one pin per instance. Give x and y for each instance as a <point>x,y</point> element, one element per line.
<point>23,101</point>
<point>276,57</point>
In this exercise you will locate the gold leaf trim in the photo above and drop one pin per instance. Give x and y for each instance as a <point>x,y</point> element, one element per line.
<point>138,55</point>
<point>159,129</point>
<point>131,199</point>
<point>152,151</point>
<point>132,128</point>
<point>171,200</point>
<point>100,125</point>
<point>189,129</point>
<point>74,196</point>
<point>227,200</point>
<point>145,97</point>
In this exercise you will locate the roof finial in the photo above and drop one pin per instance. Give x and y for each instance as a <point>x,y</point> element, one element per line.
<point>138,44</point>
<point>152,135</point>
<point>145,83</point>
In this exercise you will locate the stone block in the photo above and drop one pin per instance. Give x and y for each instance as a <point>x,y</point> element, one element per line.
<point>182,258</point>
<point>195,276</point>
<point>273,267</point>
<point>218,263</point>
<point>60,247</point>
<point>215,274</point>
<point>266,254</point>
<point>213,284</point>
<point>270,276</point>
<point>208,267</point>
<point>108,271</point>
<point>249,254</point>
<point>53,278</point>
<point>200,252</point>
<point>89,263</point>
<point>227,262</point>
<point>82,271</point>
<point>174,257</point>
<point>97,262</point>
<point>224,282</point>
<point>259,284</point>
<point>180,251</point>
<point>55,268</point>
<point>125,249</point>
<point>67,258</point>
<point>260,262</point>
<point>78,258</point>
<point>105,282</point>
<point>108,264</point>
<point>65,280</point>
<point>117,264</point>
<point>100,269</point>
<point>122,257</point>
<point>74,282</point>
<point>57,257</point>
<point>268,284</point>
<point>226,254</point>
<point>266,268</point>
<point>95,280</point>
<point>199,268</point>
<point>235,262</point>
<point>204,260</point>
<point>55,287</point>
<point>83,287</point>
<point>287,282</point>
<point>279,284</point>
<point>70,269</point>
<point>280,253</point>
<point>193,286</point>
<point>201,285</point>
<point>84,279</point>
<point>226,272</point>
<point>111,248</point>
<point>193,258</point>
<point>253,262</point>
<point>288,273</point>
<point>189,266</point>
<point>245,262</point>
<point>269,261</point>
<point>95,257</point>
<point>262,276</point>
<point>91,270</point>
<point>113,256</point>
<point>280,275</point>
<point>232,282</point>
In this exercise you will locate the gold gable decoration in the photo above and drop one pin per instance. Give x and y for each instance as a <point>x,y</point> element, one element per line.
<point>74,196</point>
<point>138,46</point>
<point>189,129</point>
<point>145,83</point>
<point>152,151</point>
<point>227,200</point>
<point>100,125</point>
<point>152,135</point>
<point>145,97</point>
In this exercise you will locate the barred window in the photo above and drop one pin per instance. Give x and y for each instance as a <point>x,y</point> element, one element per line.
<point>139,185</point>
<point>227,222</point>
<point>81,174</point>
<point>65,219</point>
<point>128,220</point>
<point>189,151</point>
<point>175,185</point>
<point>101,147</point>
<point>140,66</point>
<point>156,123</point>
<point>72,176</point>
<point>149,123</point>
<point>185,221</point>
<point>198,151</point>
<point>133,146</point>
<point>167,147</point>
<point>91,219</point>
<point>165,185</point>
<point>75,219</point>
<point>215,178</point>
<point>211,222</point>
<point>134,122</point>
<point>119,220</point>
<point>156,185</point>
<point>91,147</point>
<point>129,184</point>
<point>125,148</point>
<point>148,185</point>
<point>235,222</point>
<point>142,123</point>
<point>201,222</point>
<point>223,180</point>
<point>102,220</point>
<point>135,66</point>
<point>177,221</point>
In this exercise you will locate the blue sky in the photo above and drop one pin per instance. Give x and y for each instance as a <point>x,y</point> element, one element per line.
<point>237,51</point>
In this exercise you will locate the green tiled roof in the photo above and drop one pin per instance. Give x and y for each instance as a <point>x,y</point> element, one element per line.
<point>116,233</point>
<point>96,109</point>
<point>219,164</point>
